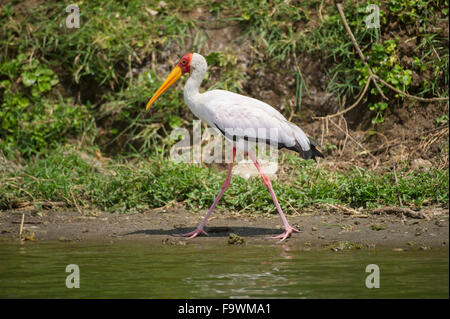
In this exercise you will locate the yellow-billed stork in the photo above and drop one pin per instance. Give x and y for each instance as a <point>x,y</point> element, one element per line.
<point>245,117</point>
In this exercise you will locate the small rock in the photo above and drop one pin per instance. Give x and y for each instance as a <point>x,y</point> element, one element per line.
<point>30,238</point>
<point>398,249</point>
<point>236,240</point>
<point>313,228</point>
<point>345,245</point>
<point>420,231</point>
<point>377,227</point>
<point>173,242</point>
<point>64,239</point>
<point>440,223</point>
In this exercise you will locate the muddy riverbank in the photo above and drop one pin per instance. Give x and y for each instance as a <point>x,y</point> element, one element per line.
<point>320,227</point>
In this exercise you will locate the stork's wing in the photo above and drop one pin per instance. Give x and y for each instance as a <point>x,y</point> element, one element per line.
<point>251,119</point>
<point>238,122</point>
<point>223,99</point>
<point>241,117</point>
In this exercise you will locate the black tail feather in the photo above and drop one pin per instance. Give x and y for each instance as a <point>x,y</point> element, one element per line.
<point>312,153</point>
<point>315,153</point>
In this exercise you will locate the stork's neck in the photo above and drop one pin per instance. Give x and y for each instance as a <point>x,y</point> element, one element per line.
<point>191,93</point>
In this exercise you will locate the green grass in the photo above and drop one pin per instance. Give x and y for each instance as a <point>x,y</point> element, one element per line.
<point>43,64</point>
<point>102,74</point>
<point>123,186</point>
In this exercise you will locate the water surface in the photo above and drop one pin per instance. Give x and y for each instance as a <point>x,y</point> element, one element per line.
<point>150,270</point>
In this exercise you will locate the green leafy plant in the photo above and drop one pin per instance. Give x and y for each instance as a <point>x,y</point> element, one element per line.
<point>30,121</point>
<point>410,10</point>
<point>40,78</point>
<point>384,61</point>
<point>329,147</point>
<point>441,120</point>
<point>379,109</point>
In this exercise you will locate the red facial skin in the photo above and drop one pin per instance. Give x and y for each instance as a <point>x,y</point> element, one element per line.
<point>185,63</point>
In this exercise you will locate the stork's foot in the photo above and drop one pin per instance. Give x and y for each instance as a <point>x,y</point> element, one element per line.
<point>192,234</point>
<point>287,233</point>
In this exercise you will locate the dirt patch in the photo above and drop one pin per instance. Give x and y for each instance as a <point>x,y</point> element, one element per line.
<point>320,227</point>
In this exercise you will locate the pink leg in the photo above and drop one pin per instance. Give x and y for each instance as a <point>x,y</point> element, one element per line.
<point>225,185</point>
<point>288,228</point>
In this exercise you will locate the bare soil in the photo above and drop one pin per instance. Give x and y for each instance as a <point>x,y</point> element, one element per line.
<point>320,227</point>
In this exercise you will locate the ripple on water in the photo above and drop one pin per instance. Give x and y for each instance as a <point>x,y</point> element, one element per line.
<point>141,270</point>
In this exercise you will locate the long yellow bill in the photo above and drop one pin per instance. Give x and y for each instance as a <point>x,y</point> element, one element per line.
<point>171,79</point>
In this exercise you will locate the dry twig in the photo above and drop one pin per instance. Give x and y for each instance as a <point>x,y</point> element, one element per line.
<point>356,142</point>
<point>75,202</point>
<point>355,44</point>
<point>346,135</point>
<point>396,183</point>
<point>418,98</point>
<point>400,210</point>
<point>351,106</point>
<point>349,210</point>
<point>21,226</point>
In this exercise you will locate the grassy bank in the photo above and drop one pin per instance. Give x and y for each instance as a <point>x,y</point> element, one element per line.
<point>77,178</point>
<point>67,93</point>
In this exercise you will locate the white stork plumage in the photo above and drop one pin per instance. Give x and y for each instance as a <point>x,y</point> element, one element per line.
<point>244,117</point>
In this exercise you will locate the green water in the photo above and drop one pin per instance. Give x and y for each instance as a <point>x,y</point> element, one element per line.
<point>140,270</point>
